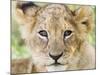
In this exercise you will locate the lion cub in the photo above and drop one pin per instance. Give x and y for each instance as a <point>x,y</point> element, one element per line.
<point>56,38</point>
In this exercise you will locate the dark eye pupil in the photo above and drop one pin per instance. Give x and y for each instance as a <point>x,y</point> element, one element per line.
<point>67,33</point>
<point>43,33</point>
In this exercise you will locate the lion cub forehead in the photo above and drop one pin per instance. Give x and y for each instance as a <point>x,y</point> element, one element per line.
<point>56,9</point>
<point>52,11</point>
<point>59,6</point>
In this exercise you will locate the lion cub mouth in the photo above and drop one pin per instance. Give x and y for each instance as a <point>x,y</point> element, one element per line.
<point>56,67</point>
<point>55,64</point>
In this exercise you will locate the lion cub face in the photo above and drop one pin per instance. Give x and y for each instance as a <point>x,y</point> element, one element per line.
<point>53,33</point>
<point>55,36</point>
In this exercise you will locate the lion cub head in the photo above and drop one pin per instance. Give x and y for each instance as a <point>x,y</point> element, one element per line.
<point>53,33</point>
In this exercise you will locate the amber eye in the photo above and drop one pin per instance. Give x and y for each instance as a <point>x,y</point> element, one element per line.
<point>43,33</point>
<point>67,33</point>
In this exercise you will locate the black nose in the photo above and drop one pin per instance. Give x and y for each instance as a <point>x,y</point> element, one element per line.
<point>55,57</point>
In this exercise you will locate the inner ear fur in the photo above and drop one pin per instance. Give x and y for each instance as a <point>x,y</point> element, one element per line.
<point>84,17</point>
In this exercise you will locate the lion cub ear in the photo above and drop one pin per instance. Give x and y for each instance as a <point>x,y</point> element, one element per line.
<point>25,15</point>
<point>26,11</point>
<point>84,18</point>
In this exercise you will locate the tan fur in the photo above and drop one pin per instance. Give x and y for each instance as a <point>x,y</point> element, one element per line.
<point>55,19</point>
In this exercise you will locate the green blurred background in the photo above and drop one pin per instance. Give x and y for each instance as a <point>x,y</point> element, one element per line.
<point>18,47</point>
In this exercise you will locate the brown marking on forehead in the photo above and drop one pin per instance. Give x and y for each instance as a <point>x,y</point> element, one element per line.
<point>55,10</point>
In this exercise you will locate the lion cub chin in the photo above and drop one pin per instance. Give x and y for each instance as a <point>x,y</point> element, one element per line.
<point>56,68</point>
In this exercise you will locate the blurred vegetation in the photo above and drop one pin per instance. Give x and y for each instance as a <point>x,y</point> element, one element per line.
<point>18,47</point>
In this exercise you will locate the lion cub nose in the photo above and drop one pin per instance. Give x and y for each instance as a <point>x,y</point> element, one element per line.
<point>55,57</point>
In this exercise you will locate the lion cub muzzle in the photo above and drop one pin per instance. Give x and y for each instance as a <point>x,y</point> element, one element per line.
<point>56,58</point>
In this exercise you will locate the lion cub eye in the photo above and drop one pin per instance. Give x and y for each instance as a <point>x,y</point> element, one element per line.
<point>67,33</point>
<point>43,33</point>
